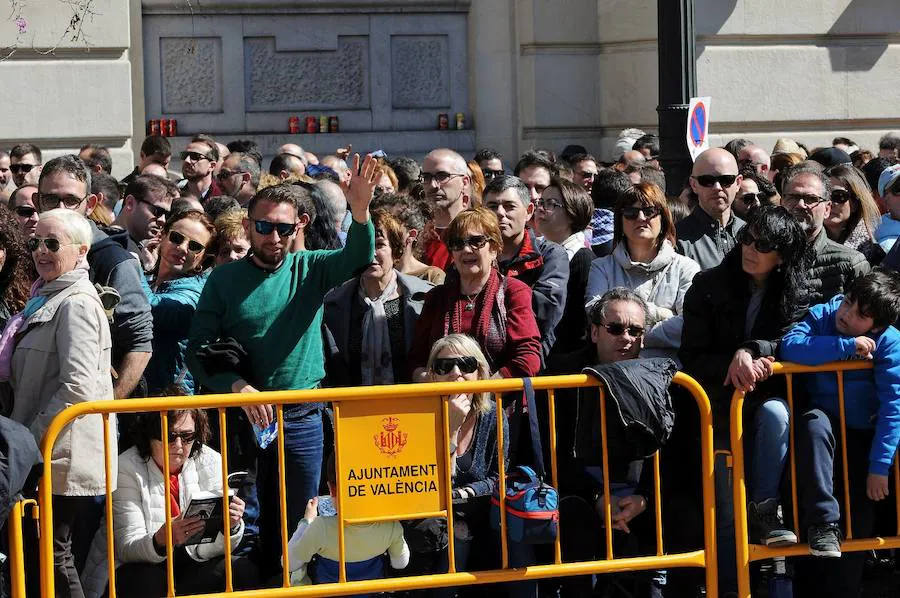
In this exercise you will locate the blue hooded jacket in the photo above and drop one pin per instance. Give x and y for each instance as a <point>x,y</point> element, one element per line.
<point>871,397</point>
<point>173,306</point>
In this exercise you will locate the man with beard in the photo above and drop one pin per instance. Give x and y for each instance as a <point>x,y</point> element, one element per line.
<point>711,229</point>
<point>446,178</point>
<point>144,211</point>
<point>270,303</point>
<point>807,195</point>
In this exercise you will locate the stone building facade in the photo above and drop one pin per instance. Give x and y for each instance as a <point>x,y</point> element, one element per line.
<point>525,73</point>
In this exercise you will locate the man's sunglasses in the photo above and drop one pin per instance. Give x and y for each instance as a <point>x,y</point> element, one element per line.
<point>51,244</point>
<point>751,198</point>
<point>441,177</point>
<point>649,212</point>
<point>476,242</point>
<point>194,156</point>
<point>444,365</point>
<point>840,196</point>
<point>709,180</point>
<point>808,199</point>
<point>265,227</point>
<point>176,238</point>
<point>25,211</point>
<point>761,245</point>
<point>225,173</point>
<point>21,168</point>
<point>51,202</point>
<point>617,329</point>
<point>157,211</point>
<point>490,174</point>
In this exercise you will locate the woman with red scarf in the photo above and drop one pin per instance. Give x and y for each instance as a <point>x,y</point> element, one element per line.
<point>477,300</point>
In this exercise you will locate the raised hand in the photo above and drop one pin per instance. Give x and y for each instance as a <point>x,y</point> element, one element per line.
<point>362,186</point>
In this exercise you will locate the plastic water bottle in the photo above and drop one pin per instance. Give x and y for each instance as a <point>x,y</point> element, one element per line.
<point>781,585</point>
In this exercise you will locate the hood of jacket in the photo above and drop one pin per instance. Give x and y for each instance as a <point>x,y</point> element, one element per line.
<point>663,258</point>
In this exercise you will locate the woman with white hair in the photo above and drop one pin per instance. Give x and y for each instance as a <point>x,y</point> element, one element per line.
<point>56,353</point>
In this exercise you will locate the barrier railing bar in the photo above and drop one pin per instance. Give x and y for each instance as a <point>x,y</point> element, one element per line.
<point>110,535</point>
<point>16,548</point>
<point>607,500</point>
<point>845,470</point>
<point>795,504</point>
<point>554,468</point>
<point>501,480</point>
<point>164,435</point>
<point>758,552</point>
<point>657,500</point>
<point>226,499</point>
<point>338,468</point>
<point>739,491</point>
<point>448,481</point>
<point>282,498</point>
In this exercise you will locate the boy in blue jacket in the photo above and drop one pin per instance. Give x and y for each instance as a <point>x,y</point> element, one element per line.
<point>857,325</point>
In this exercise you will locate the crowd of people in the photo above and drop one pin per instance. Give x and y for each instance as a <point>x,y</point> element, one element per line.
<point>344,270</point>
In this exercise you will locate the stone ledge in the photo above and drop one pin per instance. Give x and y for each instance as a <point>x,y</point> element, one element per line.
<point>245,7</point>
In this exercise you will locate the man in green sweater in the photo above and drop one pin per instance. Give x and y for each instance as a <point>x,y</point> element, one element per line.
<point>271,303</point>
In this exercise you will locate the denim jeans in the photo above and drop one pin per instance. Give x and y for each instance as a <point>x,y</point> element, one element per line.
<point>770,439</point>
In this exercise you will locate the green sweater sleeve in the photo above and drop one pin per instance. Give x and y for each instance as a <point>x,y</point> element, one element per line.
<point>206,328</point>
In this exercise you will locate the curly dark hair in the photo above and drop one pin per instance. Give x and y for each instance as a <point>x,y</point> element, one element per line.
<point>18,270</point>
<point>148,426</point>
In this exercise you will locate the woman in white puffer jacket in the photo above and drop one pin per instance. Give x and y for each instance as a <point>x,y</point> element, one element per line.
<point>139,515</point>
<point>644,260</point>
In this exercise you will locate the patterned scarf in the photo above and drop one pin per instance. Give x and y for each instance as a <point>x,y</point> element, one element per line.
<point>376,363</point>
<point>489,318</point>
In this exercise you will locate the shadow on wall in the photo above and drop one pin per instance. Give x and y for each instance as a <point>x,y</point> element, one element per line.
<point>857,19</point>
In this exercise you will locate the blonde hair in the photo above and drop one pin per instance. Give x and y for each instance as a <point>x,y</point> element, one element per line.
<point>465,346</point>
<point>230,225</point>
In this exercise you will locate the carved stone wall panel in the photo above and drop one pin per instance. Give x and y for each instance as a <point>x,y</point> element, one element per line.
<point>420,71</point>
<point>278,80</point>
<point>191,74</point>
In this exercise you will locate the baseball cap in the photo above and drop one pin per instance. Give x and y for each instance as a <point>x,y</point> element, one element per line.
<point>887,178</point>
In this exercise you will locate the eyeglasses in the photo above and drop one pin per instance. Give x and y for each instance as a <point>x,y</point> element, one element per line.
<point>225,173</point>
<point>476,242</point>
<point>840,196</point>
<point>439,177</point>
<point>649,212</point>
<point>51,202</point>
<point>618,329</point>
<point>194,156</point>
<point>177,239</point>
<point>21,168</point>
<point>157,211</point>
<point>444,365</point>
<point>761,245</point>
<point>50,243</point>
<point>548,205</point>
<point>750,198</point>
<point>284,229</point>
<point>808,199</point>
<point>186,437</point>
<point>25,211</point>
<point>489,174</point>
<point>709,180</point>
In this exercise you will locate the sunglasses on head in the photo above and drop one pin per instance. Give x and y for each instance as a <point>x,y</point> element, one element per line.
<point>632,212</point>
<point>25,211</point>
<point>476,242</point>
<point>709,180</point>
<point>750,198</point>
<point>51,244</point>
<point>21,168</point>
<point>840,196</point>
<point>177,239</point>
<point>444,365</point>
<point>761,245</point>
<point>617,329</point>
<point>265,227</point>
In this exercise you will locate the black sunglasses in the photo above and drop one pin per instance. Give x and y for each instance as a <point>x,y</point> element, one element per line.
<point>649,212</point>
<point>444,365</point>
<point>476,242</point>
<point>617,329</point>
<point>195,156</point>
<point>840,196</point>
<point>157,211</point>
<point>176,238</point>
<point>808,199</point>
<point>441,177</point>
<point>22,168</point>
<point>265,227</point>
<point>50,201</point>
<point>761,245</point>
<point>186,437</point>
<point>25,211</point>
<point>52,245</point>
<point>709,180</point>
<point>749,198</point>
<point>489,174</point>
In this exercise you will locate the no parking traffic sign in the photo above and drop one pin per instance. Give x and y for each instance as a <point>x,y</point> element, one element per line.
<point>698,126</point>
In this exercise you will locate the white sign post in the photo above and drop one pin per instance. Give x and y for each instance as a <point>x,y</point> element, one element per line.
<point>698,126</point>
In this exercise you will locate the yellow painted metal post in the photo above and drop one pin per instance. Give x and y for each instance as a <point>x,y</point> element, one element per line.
<point>657,492</point>
<point>110,533</point>
<point>845,469</point>
<point>226,499</point>
<point>445,450</point>
<point>607,500</point>
<point>554,469</point>
<point>16,545</point>
<point>741,527</point>
<point>795,504</point>
<point>282,496</point>
<point>338,468</point>
<point>501,480</point>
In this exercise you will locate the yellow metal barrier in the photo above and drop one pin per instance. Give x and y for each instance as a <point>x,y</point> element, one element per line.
<point>748,553</point>
<point>346,399</point>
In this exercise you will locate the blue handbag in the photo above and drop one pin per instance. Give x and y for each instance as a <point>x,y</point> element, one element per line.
<point>532,507</point>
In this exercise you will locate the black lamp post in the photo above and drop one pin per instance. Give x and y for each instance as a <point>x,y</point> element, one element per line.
<point>677,85</point>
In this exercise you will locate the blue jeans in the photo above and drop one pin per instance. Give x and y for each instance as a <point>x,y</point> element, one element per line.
<point>770,439</point>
